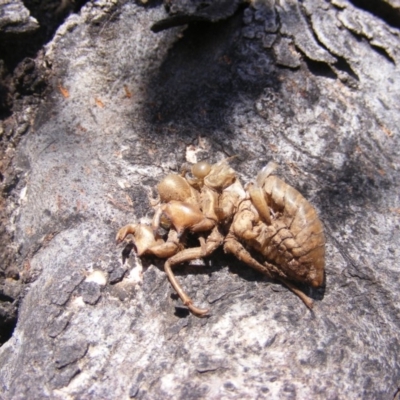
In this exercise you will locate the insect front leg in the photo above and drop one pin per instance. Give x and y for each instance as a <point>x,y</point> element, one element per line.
<point>168,248</point>
<point>143,237</point>
<point>214,240</point>
<point>146,243</point>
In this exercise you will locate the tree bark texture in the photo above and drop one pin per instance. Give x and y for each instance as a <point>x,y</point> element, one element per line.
<point>312,85</point>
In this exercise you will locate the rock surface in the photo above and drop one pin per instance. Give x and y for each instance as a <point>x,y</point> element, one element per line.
<point>15,18</point>
<point>127,106</point>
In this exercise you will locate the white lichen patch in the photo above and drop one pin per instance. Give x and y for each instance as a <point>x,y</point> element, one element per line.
<point>98,277</point>
<point>135,274</point>
<point>191,154</point>
<point>22,194</point>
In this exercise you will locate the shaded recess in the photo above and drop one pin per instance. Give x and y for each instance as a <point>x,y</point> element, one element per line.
<point>205,74</point>
<point>8,317</point>
<point>356,184</point>
<point>18,73</point>
<point>381,9</point>
<point>50,14</point>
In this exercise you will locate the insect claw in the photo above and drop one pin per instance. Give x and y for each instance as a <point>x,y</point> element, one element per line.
<point>195,310</point>
<point>306,300</point>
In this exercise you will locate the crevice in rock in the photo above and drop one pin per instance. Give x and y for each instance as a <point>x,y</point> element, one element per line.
<point>6,331</point>
<point>320,69</point>
<point>6,298</point>
<point>8,318</point>
<point>381,9</point>
<point>382,51</point>
<point>344,66</point>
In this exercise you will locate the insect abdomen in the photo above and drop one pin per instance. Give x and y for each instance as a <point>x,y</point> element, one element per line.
<point>298,237</point>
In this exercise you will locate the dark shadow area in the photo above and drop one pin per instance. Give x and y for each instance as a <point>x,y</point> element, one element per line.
<point>149,3</point>
<point>8,317</point>
<point>356,184</point>
<point>127,251</point>
<point>349,199</point>
<point>320,68</point>
<point>6,330</point>
<point>381,9</point>
<point>203,77</point>
<point>206,11</point>
<point>344,66</point>
<point>50,14</point>
<point>247,273</point>
<point>181,312</point>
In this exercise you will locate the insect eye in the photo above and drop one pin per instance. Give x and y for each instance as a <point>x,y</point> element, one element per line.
<point>201,169</point>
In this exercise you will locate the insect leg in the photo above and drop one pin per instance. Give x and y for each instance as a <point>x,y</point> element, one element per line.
<point>125,231</point>
<point>306,300</point>
<point>236,248</point>
<point>213,241</point>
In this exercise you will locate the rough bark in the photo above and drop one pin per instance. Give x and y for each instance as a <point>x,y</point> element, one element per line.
<point>313,86</point>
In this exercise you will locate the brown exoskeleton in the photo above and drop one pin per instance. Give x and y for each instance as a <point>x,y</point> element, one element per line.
<point>269,225</point>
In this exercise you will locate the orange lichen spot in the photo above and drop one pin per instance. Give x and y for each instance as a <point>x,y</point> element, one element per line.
<point>386,130</point>
<point>128,93</point>
<point>128,200</point>
<point>59,201</point>
<point>99,103</point>
<point>48,238</point>
<point>64,91</point>
<point>80,128</point>
<point>27,265</point>
<point>273,147</point>
<point>226,59</point>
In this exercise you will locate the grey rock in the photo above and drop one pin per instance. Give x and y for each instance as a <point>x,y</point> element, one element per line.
<point>64,377</point>
<point>293,23</point>
<point>140,105</point>
<point>133,391</point>
<point>69,353</point>
<point>265,12</point>
<point>61,292</point>
<point>11,289</point>
<point>207,363</point>
<point>58,325</point>
<point>268,41</point>
<point>286,53</point>
<point>188,11</point>
<point>117,275</point>
<point>15,18</point>
<point>91,292</point>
